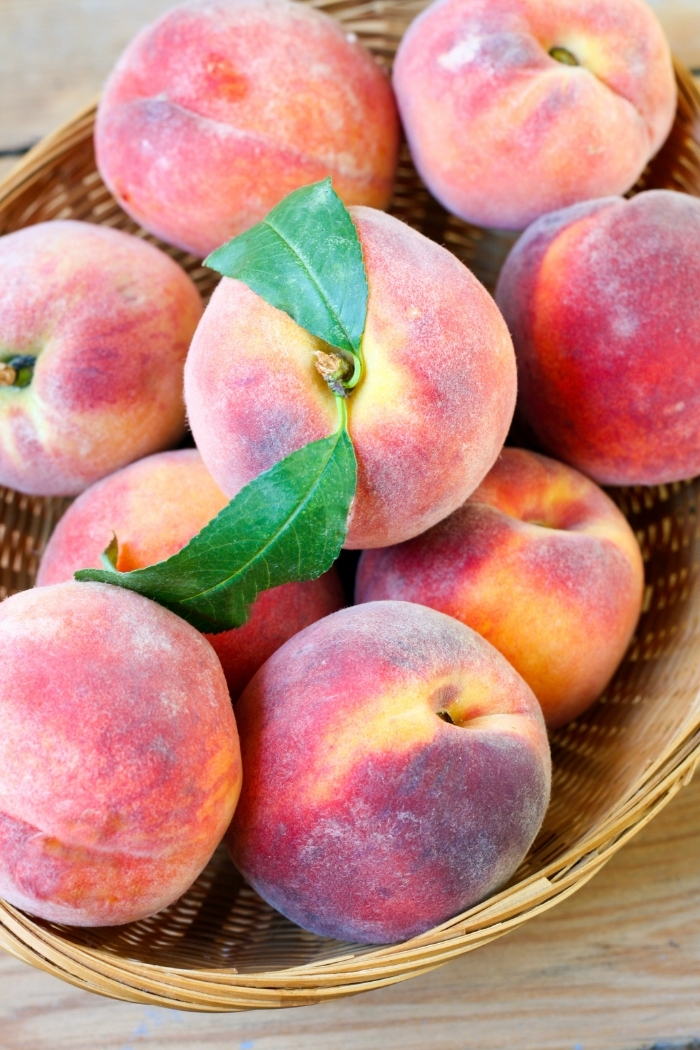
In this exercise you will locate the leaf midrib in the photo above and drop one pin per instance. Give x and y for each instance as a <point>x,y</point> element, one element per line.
<point>285,524</point>
<point>318,287</point>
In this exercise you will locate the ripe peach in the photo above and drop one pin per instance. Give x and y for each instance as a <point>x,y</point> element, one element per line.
<point>154,507</point>
<point>364,813</point>
<point>427,420</point>
<point>220,109</point>
<point>119,754</point>
<point>104,320</point>
<point>541,563</point>
<point>601,299</point>
<point>513,108</point>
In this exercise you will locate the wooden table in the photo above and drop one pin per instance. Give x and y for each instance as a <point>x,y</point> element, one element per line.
<point>616,967</point>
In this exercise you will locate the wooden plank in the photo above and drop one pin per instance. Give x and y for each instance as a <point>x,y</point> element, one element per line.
<point>56,55</point>
<point>616,967</point>
<point>6,165</point>
<point>681,20</point>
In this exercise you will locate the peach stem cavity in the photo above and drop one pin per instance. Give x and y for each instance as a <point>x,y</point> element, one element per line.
<point>563,55</point>
<point>17,370</point>
<point>341,370</point>
<point>446,717</point>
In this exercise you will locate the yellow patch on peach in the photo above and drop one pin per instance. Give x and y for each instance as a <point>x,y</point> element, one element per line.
<point>401,720</point>
<point>625,541</point>
<point>364,814</point>
<point>395,721</point>
<point>538,561</point>
<point>388,373</point>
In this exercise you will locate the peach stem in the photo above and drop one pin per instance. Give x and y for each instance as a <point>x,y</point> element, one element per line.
<point>18,371</point>
<point>7,375</point>
<point>561,54</point>
<point>340,372</point>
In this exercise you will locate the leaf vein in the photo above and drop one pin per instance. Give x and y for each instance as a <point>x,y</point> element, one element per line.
<point>286,523</point>
<point>311,276</point>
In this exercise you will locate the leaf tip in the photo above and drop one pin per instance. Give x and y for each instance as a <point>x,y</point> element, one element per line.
<point>212,260</point>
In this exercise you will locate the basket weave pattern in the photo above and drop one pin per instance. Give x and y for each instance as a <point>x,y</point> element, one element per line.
<point>220,947</point>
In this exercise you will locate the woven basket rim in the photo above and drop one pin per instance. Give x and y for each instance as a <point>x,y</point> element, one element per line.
<point>351,971</point>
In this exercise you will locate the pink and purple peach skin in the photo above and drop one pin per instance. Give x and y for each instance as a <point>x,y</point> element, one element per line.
<point>601,300</point>
<point>541,563</point>
<point>119,751</point>
<point>514,108</point>
<point>109,319</point>
<point>427,419</point>
<point>154,507</point>
<point>218,110</point>
<point>397,771</point>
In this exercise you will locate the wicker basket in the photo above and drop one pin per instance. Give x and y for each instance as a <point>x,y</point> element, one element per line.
<point>220,947</point>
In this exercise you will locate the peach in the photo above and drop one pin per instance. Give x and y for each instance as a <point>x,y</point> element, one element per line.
<point>220,109</point>
<point>94,329</point>
<point>541,563</point>
<point>397,771</point>
<point>119,754</point>
<point>601,299</point>
<point>428,418</point>
<point>513,108</point>
<point>154,507</point>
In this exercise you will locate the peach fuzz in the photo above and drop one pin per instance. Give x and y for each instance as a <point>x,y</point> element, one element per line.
<point>109,319</point>
<point>221,108</point>
<point>601,299</point>
<point>155,507</point>
<point>119,753</point>
<point>541,563</point>
<point>427,419</point>
<point>365,814</point>
<point>514,108</point>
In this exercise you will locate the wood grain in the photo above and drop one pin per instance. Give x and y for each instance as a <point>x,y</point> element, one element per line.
<point>616,967</point>
<point>60,53</point>
<point>681,20</point>
<point>6,165</point>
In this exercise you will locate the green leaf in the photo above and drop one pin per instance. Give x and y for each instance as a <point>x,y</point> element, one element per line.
<point>110,555</point>
<point>288,524</point>
<point>305,258</point>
